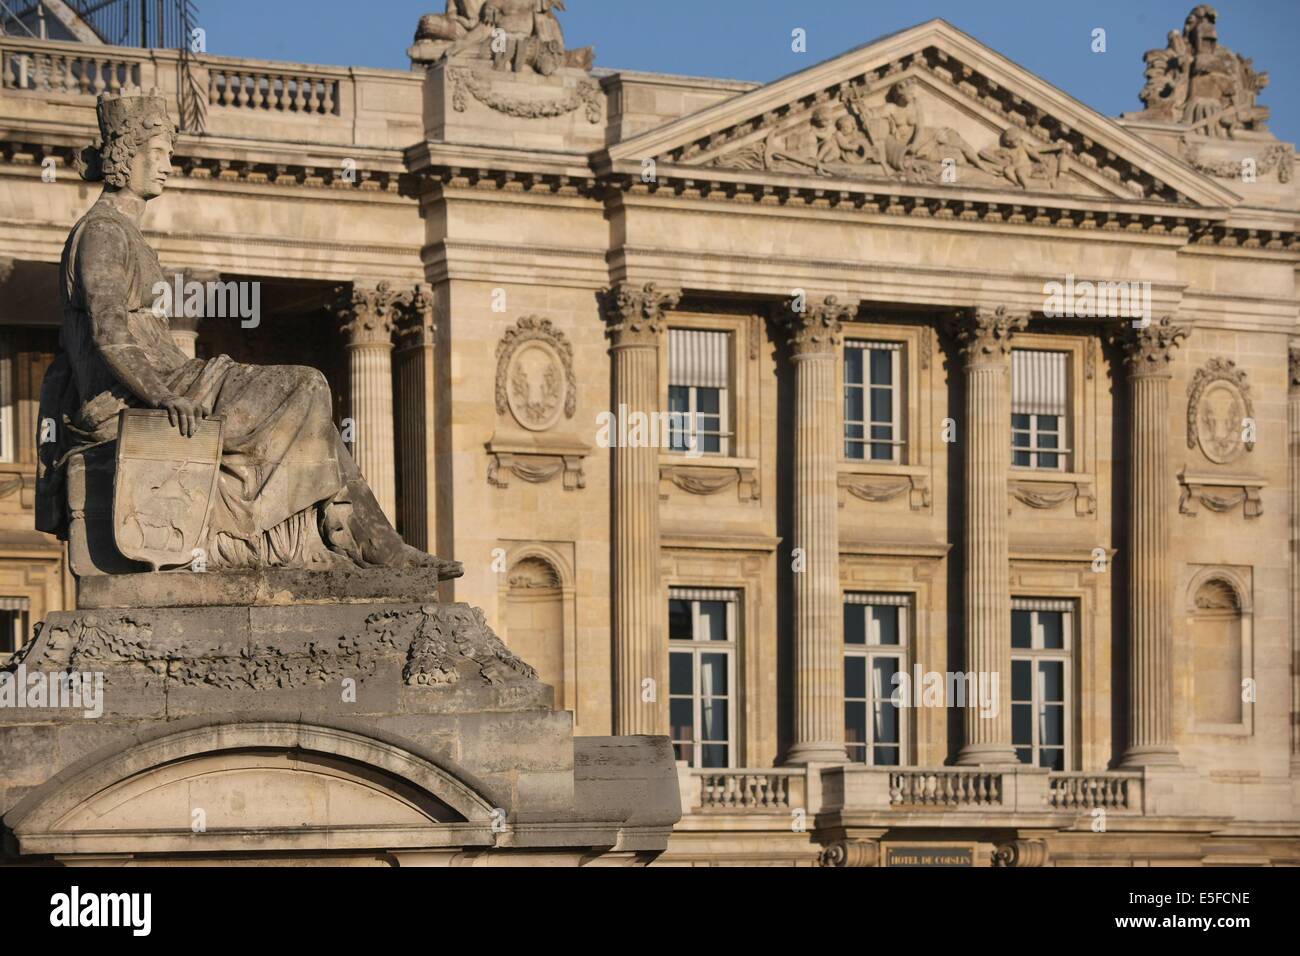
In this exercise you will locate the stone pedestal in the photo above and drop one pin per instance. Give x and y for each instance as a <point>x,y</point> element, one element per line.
<point>341,717</point>
<point>818,618</point>
<point>985,339</point>
<point>1150,639</point>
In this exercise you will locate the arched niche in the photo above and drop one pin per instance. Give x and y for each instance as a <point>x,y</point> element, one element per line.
<point>1220,618</point>
<point>539,620</point>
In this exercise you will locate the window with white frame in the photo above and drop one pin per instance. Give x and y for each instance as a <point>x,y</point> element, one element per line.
<point>875,649</point>
<point>7,359</point>
<point>1039,410</point>
<point>873,405</point>
<point>702,624</point>
<point>699,378</point>
<point>1042,636</point>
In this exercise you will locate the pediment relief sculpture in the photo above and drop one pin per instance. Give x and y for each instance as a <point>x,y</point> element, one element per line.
<point>519,36</point>
<point>1198,84</point>
<point>1220,413</point>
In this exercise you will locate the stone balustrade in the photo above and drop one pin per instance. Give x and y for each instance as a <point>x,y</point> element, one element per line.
<point>264,100</point>
<point>776,789</point>
<point>1090,791</point>
<point>945,788</point>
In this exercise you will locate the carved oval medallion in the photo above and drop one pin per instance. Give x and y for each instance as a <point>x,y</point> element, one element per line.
<point>535,382</point>
<point>1222,413</point>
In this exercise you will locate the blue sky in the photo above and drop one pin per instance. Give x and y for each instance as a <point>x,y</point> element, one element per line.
<point>750,39</point>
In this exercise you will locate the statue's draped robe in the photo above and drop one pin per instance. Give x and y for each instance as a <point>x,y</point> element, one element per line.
<point>280,458</point>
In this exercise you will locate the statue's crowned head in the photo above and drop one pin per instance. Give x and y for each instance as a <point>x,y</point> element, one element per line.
<point>136,140</point>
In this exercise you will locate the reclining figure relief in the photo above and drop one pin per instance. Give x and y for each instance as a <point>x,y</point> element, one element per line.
<point>280,488</point>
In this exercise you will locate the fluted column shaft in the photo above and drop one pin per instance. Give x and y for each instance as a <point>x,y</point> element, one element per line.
<point>985,336</point>
<point>818,616</point>
<point>1150,612</point>
<point>369,316</point>
<point>636,322</point>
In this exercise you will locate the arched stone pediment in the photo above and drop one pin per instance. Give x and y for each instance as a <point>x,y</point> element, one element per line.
<point>270,784</point>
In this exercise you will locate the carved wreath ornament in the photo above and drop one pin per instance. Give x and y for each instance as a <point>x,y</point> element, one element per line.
<point>1218,406</point>
<point>586,93</point>
<point>535,378</point>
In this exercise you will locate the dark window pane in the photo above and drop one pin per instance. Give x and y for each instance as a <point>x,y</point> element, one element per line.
<point>1049,461</point>
<point>1021,629</point>
<point>1024,755</point>
<point>855,624</point>
<point>1052,731</point>
<point>679,620</point>
<point>707,400</point>
<point>709,444</point>
<point>882,367</point>
<point>1021,677</point>
<point>1020,439</point>
<point>1021,459</point>
<point>1053,625</point>
<point>854,450</point>
<point>887,724</point>
<point>886,623</point>
<point>1052,759</point>
<point>1022,727</point>
<point>1053,680</point>
<point>1048,440</point>
<point>853,404</point>
<point>681,714</point>
<point>713,674</point>
<point>882,452</point>
<point>886,756</point>
<point>1048,423</point>
<point>679,398</point>
<point>713,621</point>
<point>853,365</point>
<point>713,719</point>
<point>854,431</point>
<point>685,752</point>
<point>857,753</point>
<point>679,674</point>
<point>882,405</point>
<point>713,755</point>
<point>1020,421</point>
<point>855,677</point>
<point>855,723</point>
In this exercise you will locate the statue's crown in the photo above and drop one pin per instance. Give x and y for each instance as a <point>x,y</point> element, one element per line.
<point>118,111</point>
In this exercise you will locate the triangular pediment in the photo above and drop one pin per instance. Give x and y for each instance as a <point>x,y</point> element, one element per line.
<point>928,106</point>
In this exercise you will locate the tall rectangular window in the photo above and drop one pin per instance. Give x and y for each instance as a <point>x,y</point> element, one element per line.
<point>876,635</point>
<point>702,625</point>
<point>1039,410</point>
<point>873,401</point>
<point>699,376</point>
<point>1042,635</point>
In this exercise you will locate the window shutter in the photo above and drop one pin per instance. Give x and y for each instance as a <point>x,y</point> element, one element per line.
<point>701,594</point>
<point>1038,382</point>
<point>888,600</point>
<point>698,358</point>
<point>1041,604</point>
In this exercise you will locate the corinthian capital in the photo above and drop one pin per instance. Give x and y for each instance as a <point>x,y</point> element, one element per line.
<point>417,323</point>
<point>1149,349</point>
<point>1293,355</point>
<point>636,315</point>
<point>983,333</point>
<point>369,312</point>
<point>815,327</point>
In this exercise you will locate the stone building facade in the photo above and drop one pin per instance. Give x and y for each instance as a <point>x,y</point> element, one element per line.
<point>738,400</point>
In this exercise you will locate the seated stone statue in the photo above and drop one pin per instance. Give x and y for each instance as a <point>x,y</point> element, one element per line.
<point>287,492</point>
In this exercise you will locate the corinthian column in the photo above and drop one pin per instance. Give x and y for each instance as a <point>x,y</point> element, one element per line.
<point>1148,353</point>
<point>416,332</point>
<point>1293,476</point>
<point>368,320</point>
<point>636,322</point>
<point>818,616</point>
<point>984,336</point>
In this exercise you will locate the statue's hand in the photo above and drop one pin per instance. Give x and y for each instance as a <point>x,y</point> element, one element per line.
<point>185,414</point>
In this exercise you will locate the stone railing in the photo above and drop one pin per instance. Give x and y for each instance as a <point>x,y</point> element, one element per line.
<point>259,100</point>
<point>298,92</point>
<point>73,68</point>
<point>1089,791</point>
<point>948,787</point>
<point>774,790</point>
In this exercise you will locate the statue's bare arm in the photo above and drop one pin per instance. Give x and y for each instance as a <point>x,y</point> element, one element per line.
<point>101,273</point>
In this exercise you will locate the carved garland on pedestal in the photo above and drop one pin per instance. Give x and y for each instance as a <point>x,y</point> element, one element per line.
<point>587,93</point>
